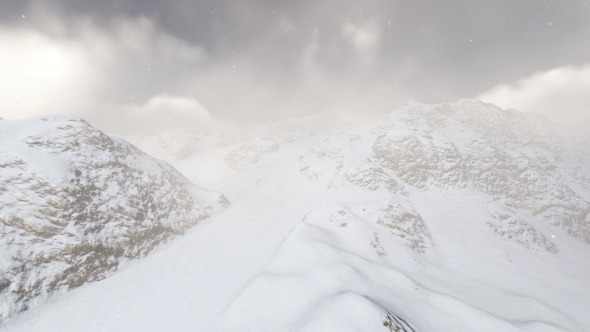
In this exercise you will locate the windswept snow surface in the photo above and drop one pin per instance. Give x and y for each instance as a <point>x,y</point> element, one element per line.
<point>451,217</point>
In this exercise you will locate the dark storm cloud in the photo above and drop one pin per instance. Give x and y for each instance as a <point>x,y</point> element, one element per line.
<point>260,59</point>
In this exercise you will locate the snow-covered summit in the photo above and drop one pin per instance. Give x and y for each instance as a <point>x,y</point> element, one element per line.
<point>438,217</point>
<point>448,217</point>
<point>77,203</point>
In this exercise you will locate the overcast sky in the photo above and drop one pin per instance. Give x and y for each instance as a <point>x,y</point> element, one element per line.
<point>142,66</point>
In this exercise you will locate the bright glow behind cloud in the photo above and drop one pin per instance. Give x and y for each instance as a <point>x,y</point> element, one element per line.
<point>40,73</point>
<point>365,40</point>
<point>109,75</point>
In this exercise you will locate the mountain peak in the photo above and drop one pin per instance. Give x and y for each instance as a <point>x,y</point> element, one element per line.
<point>87,201</point>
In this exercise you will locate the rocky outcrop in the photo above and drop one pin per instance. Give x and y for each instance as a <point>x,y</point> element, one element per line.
<point>76,203</point>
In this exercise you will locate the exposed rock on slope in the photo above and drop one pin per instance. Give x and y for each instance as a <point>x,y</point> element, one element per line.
<point>522,165</point>
<point>76,203</point>
<point>433,193</point>
<point>519,163</point>
<point>451,217</point>
<point>518,160</point>
<point>247,154</point>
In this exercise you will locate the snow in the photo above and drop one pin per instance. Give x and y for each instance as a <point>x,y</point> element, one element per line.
<point>76,204</point>
<point>181,287</point>
<point>325,234</point>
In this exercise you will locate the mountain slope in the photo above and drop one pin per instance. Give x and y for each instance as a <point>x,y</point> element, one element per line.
<point>77,203</point>
<point>465,191</point>
<point>450,217</point>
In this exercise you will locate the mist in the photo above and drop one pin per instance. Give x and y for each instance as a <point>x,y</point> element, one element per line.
<point>144,67</point>
<point>368,165</point>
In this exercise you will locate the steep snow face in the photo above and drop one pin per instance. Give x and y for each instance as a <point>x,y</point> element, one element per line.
<point>77,203</point>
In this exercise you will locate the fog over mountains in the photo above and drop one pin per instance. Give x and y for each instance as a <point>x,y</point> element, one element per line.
<point>447,217</point>
<point>255,165</point>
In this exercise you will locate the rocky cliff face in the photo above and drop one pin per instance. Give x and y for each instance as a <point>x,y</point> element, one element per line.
<point>76,203</point>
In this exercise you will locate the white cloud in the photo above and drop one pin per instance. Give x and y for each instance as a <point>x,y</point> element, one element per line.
<point>286,25</point>
<point>80,68</point>
<point>365,39</point>
<point>164,111</point>
<point>41,75</point>
<point>311,50</point>
<point>563,94</point>
<point>175,104</point>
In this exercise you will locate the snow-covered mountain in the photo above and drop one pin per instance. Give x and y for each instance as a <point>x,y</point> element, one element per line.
<point>76,203</point>
<point>520,162</point>
<point>449,217</point>
<point>475,193</point>
<point>432,219</point>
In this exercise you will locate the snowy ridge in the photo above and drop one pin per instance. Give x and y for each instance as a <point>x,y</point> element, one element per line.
<point>420,185</point>
<point>450,217</point>
<point>77,203</point>
<point>518,161</point>
<point>330,279</point>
